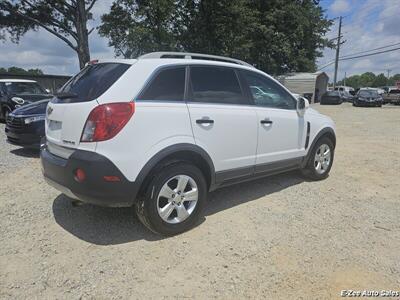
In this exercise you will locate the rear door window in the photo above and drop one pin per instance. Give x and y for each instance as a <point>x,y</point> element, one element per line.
<point>91,82</point>
<point>168,84</point>
<point>209,84</point>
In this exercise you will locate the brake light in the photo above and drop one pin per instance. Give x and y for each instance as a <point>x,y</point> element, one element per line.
<point>106,120</point>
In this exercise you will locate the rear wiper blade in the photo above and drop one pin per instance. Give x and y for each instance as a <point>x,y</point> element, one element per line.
<point>63,95</point>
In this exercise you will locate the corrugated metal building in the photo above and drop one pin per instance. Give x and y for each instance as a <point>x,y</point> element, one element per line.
<point>310,85</point>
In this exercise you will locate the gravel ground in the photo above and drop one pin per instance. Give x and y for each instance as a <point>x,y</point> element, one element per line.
<point>279,237</point>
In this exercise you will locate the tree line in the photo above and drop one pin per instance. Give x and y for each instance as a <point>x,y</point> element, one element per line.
<point>20,71</point>
<point>276,36</point>
<point>369,79</point>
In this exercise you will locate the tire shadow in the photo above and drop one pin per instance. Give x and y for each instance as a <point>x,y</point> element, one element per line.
<point>112,226</point>
<point>26,152</point>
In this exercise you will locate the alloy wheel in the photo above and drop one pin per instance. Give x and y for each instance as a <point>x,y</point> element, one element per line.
<point>322,159</point>
<point>177,199</point>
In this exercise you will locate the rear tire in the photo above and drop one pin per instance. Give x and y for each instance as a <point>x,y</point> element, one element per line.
<point>320,161</point>
<point>174,199</point>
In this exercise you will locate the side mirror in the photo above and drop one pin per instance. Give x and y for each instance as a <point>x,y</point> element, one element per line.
<point>302,105</point>
<point>48,91</point>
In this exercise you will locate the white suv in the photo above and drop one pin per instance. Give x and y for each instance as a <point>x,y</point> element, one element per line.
<point>160,131</point>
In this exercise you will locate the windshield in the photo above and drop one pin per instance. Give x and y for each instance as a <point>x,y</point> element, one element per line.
<point>368,93</point>
<point>24,88</point>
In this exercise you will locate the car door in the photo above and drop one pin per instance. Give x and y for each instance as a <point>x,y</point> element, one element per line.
<point>281,131</point>
<point>223,121</point>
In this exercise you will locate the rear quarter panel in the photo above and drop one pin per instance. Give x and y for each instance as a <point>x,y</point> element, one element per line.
<point>153,127</point>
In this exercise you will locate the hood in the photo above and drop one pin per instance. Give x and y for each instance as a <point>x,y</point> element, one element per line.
<point>30,98</point>
<point>36,108</point>
<point>313,111</point>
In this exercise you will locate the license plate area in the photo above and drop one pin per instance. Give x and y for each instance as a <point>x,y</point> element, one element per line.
<point>54,129</point>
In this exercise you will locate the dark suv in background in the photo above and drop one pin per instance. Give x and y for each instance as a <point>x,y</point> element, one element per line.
<point>331,97</point>
<point>23,106</point>
<point>15,93</point>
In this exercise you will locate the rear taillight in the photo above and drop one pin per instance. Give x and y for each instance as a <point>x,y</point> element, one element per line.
<point>105,121</point>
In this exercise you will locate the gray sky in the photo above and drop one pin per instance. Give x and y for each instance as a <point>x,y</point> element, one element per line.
<point>368,24</point>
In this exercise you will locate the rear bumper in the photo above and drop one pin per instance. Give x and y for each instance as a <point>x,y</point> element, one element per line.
<point>59,173</point>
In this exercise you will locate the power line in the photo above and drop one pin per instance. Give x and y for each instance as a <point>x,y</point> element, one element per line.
<point>375,53</point>
<point>370,50</point>
<point>359,56</point>
<point>351,56</point>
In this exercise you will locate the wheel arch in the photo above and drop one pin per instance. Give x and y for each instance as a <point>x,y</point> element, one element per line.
<point>325,132</point>
<point>173,154</point>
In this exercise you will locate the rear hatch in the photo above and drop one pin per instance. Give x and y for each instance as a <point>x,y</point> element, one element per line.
<point>67,112</point>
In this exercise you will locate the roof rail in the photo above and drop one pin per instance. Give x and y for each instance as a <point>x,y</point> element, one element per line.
<point>187,55</point>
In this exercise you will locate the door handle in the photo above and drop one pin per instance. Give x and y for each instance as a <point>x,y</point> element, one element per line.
<point>266,121</point>
<point>204,121</point>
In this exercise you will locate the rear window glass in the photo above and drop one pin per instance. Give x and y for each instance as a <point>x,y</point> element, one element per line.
<point>215,85</point>
<point>394,92</point>
<point>92,81</point>
<point>168,84</point>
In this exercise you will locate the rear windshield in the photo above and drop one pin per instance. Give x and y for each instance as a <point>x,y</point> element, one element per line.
<point>91,82</point>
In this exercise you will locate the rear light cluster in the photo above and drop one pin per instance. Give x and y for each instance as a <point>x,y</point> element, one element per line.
<point>105,121</point>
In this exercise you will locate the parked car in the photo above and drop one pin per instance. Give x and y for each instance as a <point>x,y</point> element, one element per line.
<point>15,93</point>
<point>393,97</point>
<point>25,125</point>
<point>331,97</point>
<point>159,133</point>
<point>368,97</point>
<point>346,96</point>
<point>348,89</point>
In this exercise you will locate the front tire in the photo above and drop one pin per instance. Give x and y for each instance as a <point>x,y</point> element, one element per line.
<point>320,161</point>
<point>174,199</point>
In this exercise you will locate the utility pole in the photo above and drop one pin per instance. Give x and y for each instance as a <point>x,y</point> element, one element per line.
<point>388,72</point>
<point>345,75</point>
<point>337,52</point>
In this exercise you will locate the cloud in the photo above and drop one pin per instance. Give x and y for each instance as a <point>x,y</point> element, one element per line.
<point>372,24</point>
<point>340,6</point>
<point>40,49</point>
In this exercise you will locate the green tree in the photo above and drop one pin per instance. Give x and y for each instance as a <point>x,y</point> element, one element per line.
<point>20,71</point>
<point>380,80</point>
<point>395,78</point>
<point>367,79</point>
<point>16,71</point>
<point>137,27</point>
<point>65,19</point>
<point>35,71</point>
<point>276,36</point>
